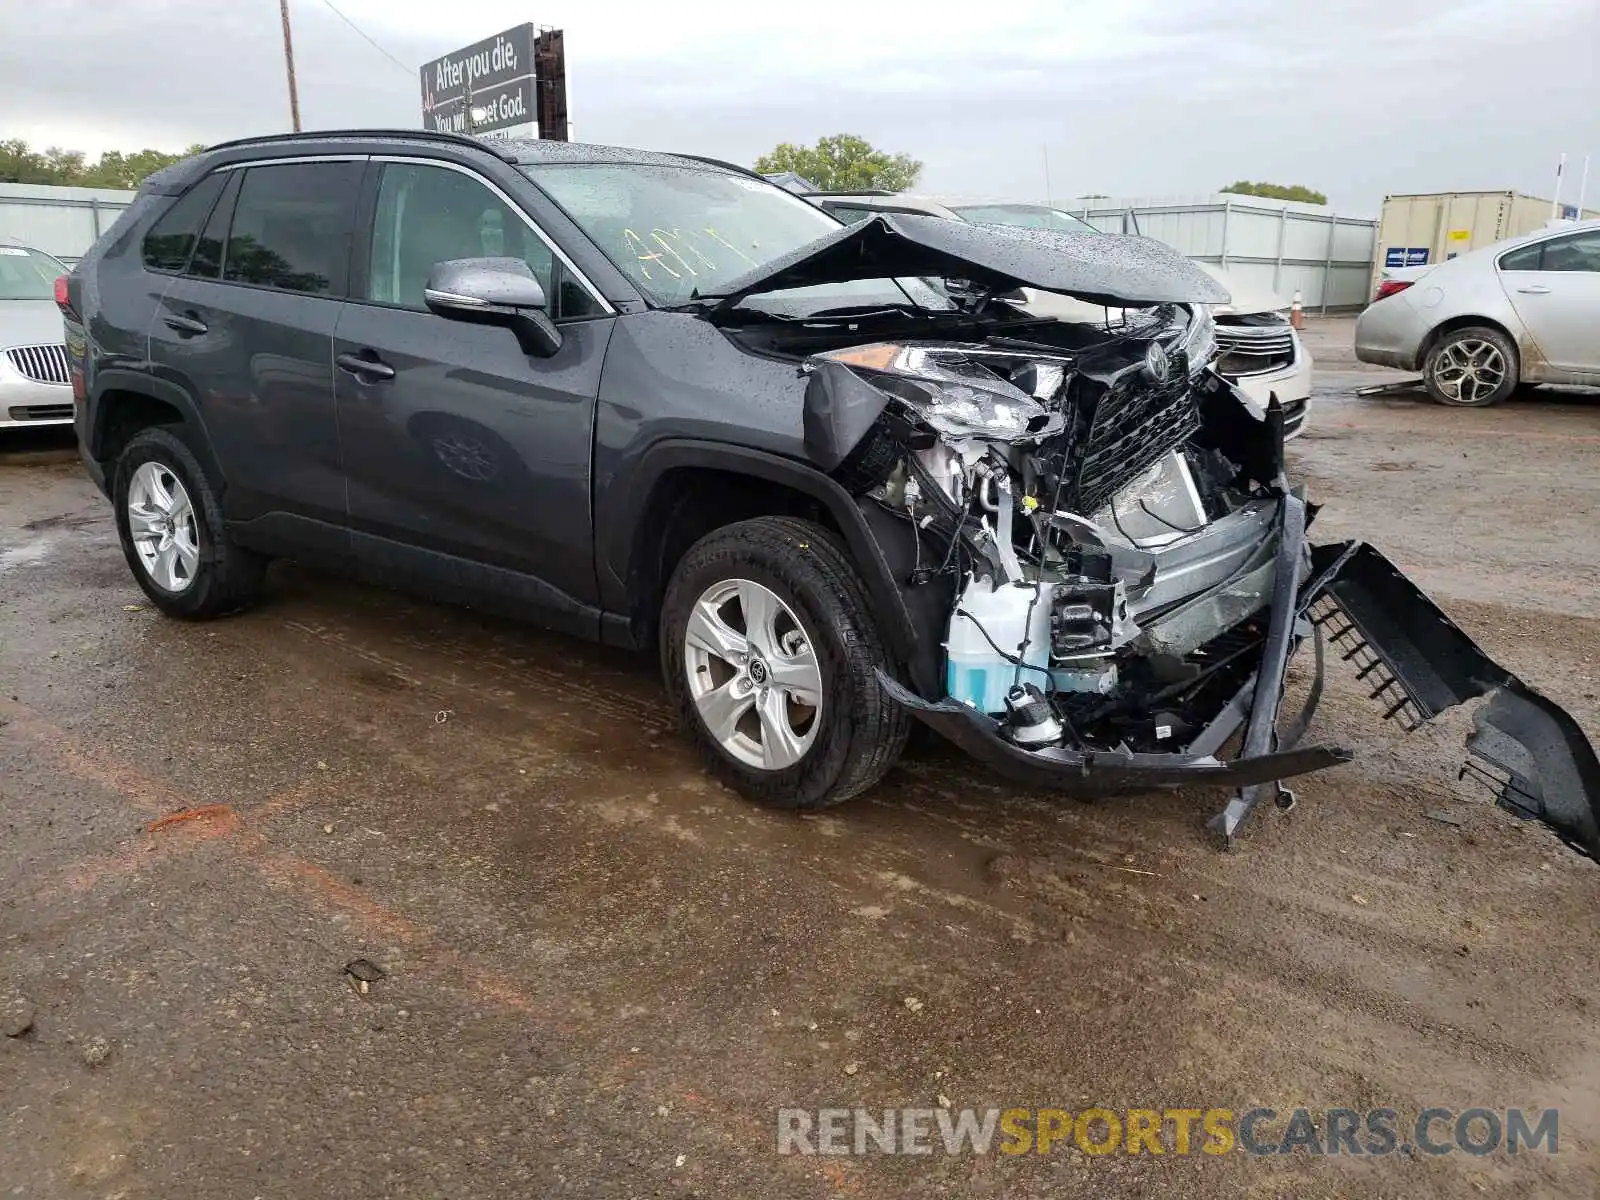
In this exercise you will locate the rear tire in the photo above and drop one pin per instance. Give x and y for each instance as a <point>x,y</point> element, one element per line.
<point>833,743</point>
<point>170,522</point>
<point>1471,368</point>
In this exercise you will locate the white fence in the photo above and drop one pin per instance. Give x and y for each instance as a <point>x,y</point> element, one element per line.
<point>1275,245</point>
<point>63,221</point>
<point>1269,244</point>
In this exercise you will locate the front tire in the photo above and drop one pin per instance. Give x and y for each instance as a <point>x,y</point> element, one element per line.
<point>1471,368</point>
<point>170,522</point>
<point>768,649</point>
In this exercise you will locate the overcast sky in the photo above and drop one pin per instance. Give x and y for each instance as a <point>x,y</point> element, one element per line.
<point>1130,97</point>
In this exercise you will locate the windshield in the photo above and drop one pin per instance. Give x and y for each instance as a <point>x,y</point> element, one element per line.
<point>28,274</point>
<point>1023,216</point>
<point>684,232</point>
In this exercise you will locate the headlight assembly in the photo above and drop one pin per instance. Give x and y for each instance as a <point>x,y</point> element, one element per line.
<point>1199,341</point>
<point>956,389</point>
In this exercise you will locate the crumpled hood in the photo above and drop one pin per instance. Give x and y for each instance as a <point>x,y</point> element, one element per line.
<point>1115,271</point>
<point>30,323</point>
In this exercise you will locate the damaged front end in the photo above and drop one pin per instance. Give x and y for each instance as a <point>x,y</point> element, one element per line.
<point>1112,573</point>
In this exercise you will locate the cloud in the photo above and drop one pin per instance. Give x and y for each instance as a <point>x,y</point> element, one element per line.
<point>1353,97</point>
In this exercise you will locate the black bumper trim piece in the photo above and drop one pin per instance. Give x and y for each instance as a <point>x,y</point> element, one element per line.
<point>1261,730</point>
<point>1100,773</point>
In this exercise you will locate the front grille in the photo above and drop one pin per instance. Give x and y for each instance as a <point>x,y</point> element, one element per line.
<point>1134,424</point>
<point>42,364</point>
<point>1253,349</point>
<point>40,412</point>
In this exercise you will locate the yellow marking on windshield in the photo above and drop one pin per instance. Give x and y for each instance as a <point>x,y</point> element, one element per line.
<point>659,236</point>
<point>686,247</point>
<point>636,246</point>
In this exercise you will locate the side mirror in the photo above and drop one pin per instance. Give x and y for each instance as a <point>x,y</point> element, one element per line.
<point>494,291</point>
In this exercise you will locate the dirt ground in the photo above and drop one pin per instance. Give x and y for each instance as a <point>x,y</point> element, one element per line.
<point>602,974</point>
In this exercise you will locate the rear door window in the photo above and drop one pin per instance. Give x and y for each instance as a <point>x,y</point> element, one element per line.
<point>1580,252</point>
<point>171,239</point>
<point>291,227</point>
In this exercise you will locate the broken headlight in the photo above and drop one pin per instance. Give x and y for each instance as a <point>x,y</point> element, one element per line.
<point>960,391</point>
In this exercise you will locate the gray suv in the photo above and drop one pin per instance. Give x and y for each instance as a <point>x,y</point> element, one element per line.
<point>657,401</point>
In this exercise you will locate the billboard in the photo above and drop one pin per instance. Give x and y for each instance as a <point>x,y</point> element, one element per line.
<point>494,75</point>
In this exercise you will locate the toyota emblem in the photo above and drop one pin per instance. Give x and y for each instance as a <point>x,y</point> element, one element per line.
<point>1157,363</point>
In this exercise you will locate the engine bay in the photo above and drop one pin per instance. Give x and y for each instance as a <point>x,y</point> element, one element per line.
<point>1099,555</point>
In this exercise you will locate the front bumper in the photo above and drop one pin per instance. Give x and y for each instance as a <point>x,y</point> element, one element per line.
<point>1414,660</point>
<point>25,403</point>
<point>1291,384</point>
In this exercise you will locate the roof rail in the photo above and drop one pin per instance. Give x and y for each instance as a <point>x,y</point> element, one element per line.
<point>430,135</point>
<point>718,162</point>
<point>854,192</point>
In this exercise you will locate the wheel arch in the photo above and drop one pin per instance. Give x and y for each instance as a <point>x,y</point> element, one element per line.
<point>1446,327</point>
<point>682,489</point>
<point>126,402</point>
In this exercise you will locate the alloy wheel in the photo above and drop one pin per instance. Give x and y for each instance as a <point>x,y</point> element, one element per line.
<point>161,522</point>
<point>1468,371</point>
<point>753,674</point>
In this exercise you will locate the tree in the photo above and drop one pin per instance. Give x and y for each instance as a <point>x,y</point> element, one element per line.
<point>21,164</point>
<point>843,163</point>
<point>1277,191</point>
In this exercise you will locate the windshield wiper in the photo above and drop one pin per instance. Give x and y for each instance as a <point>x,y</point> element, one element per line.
<point>874,310</point>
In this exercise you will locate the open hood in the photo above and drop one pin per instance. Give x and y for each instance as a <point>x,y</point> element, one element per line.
<point>1114,271</point>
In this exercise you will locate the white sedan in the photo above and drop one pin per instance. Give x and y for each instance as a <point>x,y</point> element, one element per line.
<point>1525,310</point>
<point>34,384</point>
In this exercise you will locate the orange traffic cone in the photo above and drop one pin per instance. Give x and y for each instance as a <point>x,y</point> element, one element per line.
<point>1296,317</point>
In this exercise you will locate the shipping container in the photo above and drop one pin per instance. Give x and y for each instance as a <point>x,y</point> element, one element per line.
<point>1422,230</point>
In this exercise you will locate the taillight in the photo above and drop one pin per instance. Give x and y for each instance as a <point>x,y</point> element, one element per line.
<point>63,301</point>
<point>1389,287</point>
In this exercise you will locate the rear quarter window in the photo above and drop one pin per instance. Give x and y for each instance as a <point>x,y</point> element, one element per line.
<point>171,239</point>
<point>1524,258</point>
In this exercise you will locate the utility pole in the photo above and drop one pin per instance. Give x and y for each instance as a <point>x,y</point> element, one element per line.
<point>288,63</point>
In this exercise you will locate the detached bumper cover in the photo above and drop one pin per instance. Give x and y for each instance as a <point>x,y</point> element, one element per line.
<point>1414,661</point>
<point>1528,749</point>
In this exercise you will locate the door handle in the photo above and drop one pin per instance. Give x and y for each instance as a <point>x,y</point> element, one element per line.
<point>190,326</point>
<point>371,367</point>
<point>1535,289</point>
